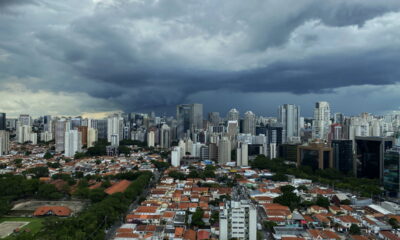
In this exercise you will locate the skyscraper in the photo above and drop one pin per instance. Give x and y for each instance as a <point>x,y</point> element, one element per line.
<point>189,117</point>
<point>113,129</point>
<point>25,119</point>
<point>214,118</point>
<point>321,122</point>
<point>289,117</point>
<point>233,115</point>
<point>2,121</point>
<point>4,142</point>
<point>224,151</point>
<point>73,142</point>
<point>59,135</point>
<point>249,124</point>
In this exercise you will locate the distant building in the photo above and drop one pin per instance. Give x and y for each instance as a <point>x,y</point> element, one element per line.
<point>224,151</point>
<point>4,142</point>
<point>288,152</point>
<point>59,134</point>
<point>214,118</point>
<point>242,155</point>
<point>176,157</point>
<point>321,122</point>
<point>343,159</point>
<point>370,155</point>
<point>151,139</point>
<point>190,118</point>
<point>2,121</point>
<point>289,117</point>
<point>238,220</point>
<point>114,129</point>
<point>92,137</point>
<point>315,155</point>
<point>233,115</point>
<point>249,123</point>
<point>391,172</point>
<point>73,142</point>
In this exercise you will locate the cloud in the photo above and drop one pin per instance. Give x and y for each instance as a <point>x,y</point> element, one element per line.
<point>153,54</point>
<point>17,99</point>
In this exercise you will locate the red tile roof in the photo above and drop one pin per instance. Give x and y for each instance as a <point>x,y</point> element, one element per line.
<point>60,211</point>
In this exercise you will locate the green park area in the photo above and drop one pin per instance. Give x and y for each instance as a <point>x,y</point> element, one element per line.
<point>10,223</point>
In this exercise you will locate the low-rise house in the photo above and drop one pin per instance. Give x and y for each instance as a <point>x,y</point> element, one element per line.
<point>59,211</point>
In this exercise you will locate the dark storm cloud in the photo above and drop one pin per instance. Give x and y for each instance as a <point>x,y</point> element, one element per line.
<point>155,54</point>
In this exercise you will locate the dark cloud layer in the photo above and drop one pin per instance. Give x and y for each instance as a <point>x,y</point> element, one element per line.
<point>142,55</point>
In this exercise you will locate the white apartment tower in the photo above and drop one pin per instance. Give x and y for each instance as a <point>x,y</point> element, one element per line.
<point>113,129</point>
<point>249,124</point>
<point>242,155</point>
<point>233,115</point>
<point>321,122</point>
<point>73,142</point>
<point>238,220</point>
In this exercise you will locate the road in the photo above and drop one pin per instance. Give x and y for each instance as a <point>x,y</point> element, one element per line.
<point>111,232</point>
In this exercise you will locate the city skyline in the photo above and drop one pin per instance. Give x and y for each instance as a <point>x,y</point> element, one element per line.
<point>150,55</point>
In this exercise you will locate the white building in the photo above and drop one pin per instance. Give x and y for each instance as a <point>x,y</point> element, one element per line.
<point>238,220</point>
<point>321,122</point>
<point>151,139</point>
<point>242,155</point>
<point>23,133</point>
<point>249,123</point>
<point>233,115</point>
<point>176,157</point>
<point>113,129</point>
<point>73,142</point>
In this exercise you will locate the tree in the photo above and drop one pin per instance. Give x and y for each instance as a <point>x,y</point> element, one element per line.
<point>47,155</point>
<point>79,155</point>
<point>39,171</point>
<point>322,201</point>
<point>287,189</point>
<point>177,175</point>
<point>124,150</point>
<point>270,225</point>
<point>197,218</point>
<point>394,223</point>
<point>279,177</point>
<point>48,191</point>
<point>354,230</point>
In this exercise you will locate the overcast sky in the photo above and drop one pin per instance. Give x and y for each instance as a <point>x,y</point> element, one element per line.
<point>79,56</point>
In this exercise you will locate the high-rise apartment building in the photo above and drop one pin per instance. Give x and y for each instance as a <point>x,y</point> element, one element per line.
<point>214,118</point>
<point>151,139</point>
<point>249,123</point>
<point>233,115</point>
<point>321,122</point>
<point>242,155</point>
<point>165,136</point>
<point>4,142</point>
<point>289,117</point>
<point>224,151</point>
<point>59,134</point>
<point>92,137</point>
<point>114,129</point>
<point>25,119</point>
<point>73,142</point>
<point>238,220</point>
